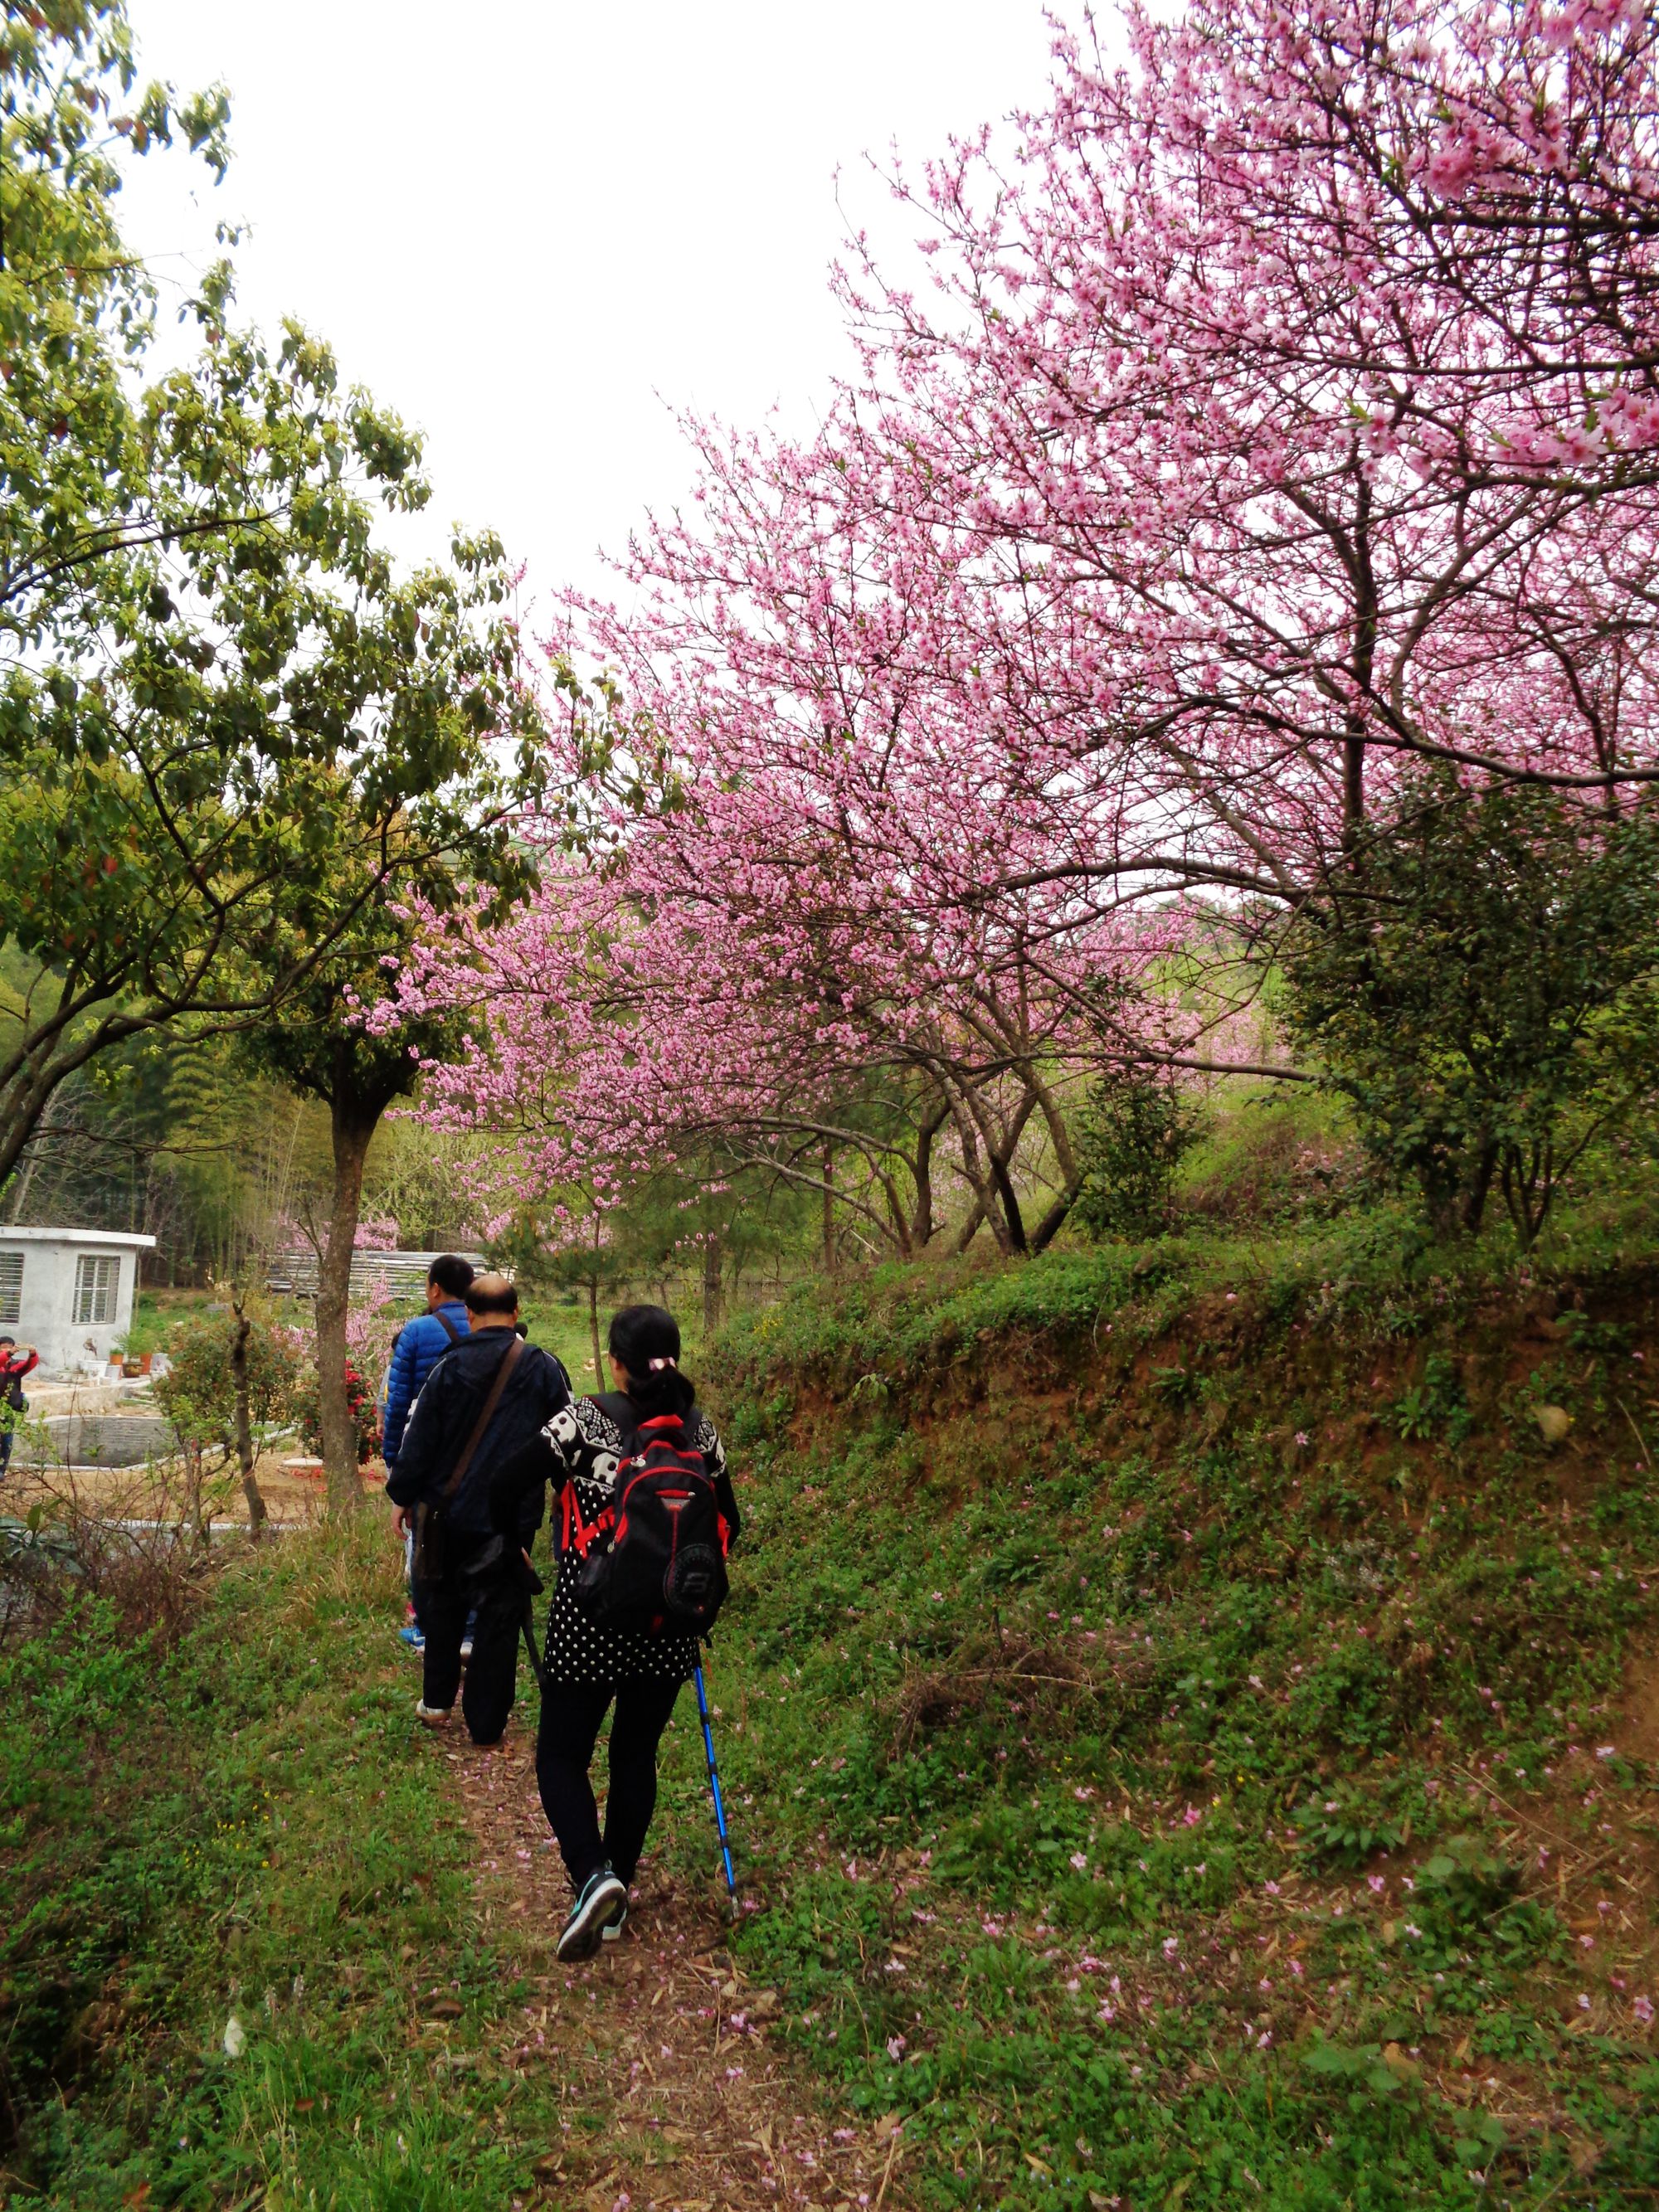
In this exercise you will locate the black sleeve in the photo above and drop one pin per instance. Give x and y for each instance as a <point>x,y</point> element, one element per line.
<point>726,1497</point>
<point>525,1470</point>
<point>713,1452</point>
<point>558,1393</point>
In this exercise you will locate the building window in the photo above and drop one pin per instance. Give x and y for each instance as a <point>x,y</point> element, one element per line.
<point>95,1283</point>
<point>11,1286</point>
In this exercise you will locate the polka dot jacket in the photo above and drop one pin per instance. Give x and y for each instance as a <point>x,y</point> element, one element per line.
<point>583,1445</point>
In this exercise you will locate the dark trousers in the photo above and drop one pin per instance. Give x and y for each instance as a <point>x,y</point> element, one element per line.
<point>5,1449</point>
<point>495,1608</point>
<point>571,1714</point>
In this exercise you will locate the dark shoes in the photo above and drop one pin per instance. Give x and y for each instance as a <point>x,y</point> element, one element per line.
<point>602,1905</point>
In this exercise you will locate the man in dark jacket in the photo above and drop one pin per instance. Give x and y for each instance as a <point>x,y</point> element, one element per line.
<point>14,1366</point>
<point>461,1562</point>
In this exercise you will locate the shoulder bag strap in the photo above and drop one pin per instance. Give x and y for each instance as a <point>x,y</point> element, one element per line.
<point>446,1324</point>
<point>459,1472</point>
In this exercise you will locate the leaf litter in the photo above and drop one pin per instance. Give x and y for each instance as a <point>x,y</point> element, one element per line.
<point>675,2097</point>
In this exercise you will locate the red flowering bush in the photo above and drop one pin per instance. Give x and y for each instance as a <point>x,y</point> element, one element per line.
<point>360,1403</point>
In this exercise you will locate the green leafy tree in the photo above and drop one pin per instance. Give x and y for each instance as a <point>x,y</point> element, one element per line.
<point>345,1040</point>
<point>233,1378</point>
<point>198,1394</point>
<point>1482,986</point>
<point>76,308</point>
<point>228,726</point>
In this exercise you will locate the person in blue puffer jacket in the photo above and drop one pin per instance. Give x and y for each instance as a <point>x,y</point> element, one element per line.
<point>422,1343</point>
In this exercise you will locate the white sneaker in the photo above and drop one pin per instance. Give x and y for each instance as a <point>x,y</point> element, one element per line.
<point>433,1715</point>
<point>602,1900</point>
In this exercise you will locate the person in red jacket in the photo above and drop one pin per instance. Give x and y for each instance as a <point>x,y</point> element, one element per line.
<point>14,1366</point>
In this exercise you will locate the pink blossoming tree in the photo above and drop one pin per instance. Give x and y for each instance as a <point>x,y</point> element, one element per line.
<point>1281,417</point>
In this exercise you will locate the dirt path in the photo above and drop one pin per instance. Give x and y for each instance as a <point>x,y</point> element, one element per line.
<point>677,2099</point>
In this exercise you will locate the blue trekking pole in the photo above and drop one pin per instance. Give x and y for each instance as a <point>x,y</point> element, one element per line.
<point>714,1785</point>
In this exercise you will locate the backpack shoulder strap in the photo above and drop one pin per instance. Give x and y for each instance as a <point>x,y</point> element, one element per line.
<point>446,1324</point>
<point>621,1409</point>
<point>457,1473</point>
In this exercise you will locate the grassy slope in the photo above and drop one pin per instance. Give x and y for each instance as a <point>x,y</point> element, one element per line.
<point>238,1828</point>
<point>1170,1699</point>
<point>1040,1572</point>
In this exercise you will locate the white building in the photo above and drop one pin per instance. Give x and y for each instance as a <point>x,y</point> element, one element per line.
<point>69,1292</point>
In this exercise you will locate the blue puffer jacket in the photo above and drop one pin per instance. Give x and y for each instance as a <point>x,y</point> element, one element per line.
<point>422,1343</point>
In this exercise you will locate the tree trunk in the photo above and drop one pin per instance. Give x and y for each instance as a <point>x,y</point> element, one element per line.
<point>1473,1209</point>
<point>353,1127</point>
<point>971,1227</point>
<point>1365,626</point>
<point>712,1301</point>
<point>828,1208</point>
<point>921,1171</point>
<point>593,1330</point>
<point>1010,1213</point>
<point>1527,1180</point>
<point>256,1503</point>
<point>26,1177</point>
<point>982,1210</point>
<point>1053,1220</point>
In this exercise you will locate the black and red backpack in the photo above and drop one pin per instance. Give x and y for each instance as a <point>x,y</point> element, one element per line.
<point>654,1559</point>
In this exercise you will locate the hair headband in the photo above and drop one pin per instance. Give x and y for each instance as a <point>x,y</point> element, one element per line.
<point>656,1365</point>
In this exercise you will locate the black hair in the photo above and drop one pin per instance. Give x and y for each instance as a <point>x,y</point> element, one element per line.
<point>490,1294</point>
<point>8,1339</point>
<point>640,1334</point>
<point>451,1274</point>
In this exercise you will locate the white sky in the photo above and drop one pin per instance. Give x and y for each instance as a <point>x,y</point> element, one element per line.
<point>535,227</point>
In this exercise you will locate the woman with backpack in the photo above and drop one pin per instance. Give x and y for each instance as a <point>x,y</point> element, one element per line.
<point>588,1665</point>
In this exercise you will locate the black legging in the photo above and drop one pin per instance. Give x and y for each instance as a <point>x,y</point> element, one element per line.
<point>571,1714</point>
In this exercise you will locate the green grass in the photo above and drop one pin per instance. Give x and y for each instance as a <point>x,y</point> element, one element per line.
<point>156,1313</point>
<point>247,1826</point>
<point>1153,1679</point>
<point>562,1329</point>
<point>1164,1710</point>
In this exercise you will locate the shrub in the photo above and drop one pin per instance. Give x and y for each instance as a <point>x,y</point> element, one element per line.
<point>1132,1134</point>
<point>1480,984</point>
<point>360,1404</point>
<point>198,1395</point>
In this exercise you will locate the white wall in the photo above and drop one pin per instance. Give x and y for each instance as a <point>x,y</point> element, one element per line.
<point>47,1319</point>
